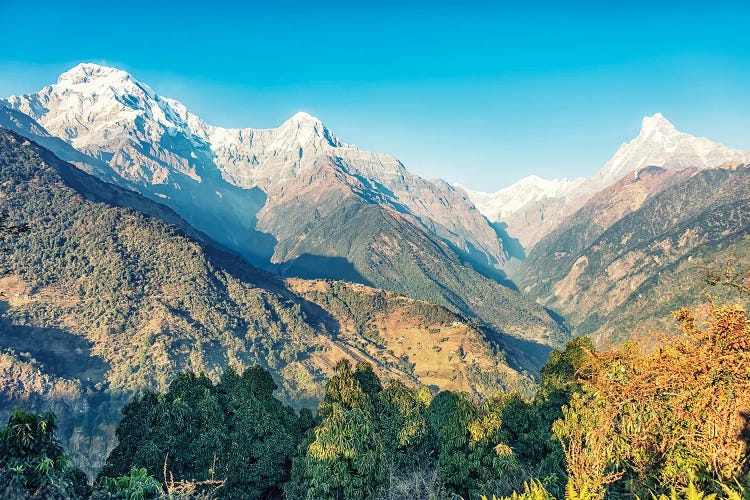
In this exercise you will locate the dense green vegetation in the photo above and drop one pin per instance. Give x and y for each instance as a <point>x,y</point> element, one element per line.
<point>618,424</point>
<point>32,461</point>
<point>234,430</point>
<point>233,439</point>
<point>106,302</point>
<point>151,301</point>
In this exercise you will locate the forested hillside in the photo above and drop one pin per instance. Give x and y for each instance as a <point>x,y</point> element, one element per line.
<point>669,423</point>
<point>101,302</point>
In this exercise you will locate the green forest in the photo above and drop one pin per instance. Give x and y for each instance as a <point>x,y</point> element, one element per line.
<point>670,423</point>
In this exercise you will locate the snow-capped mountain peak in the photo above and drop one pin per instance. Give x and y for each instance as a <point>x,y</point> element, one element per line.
<point>659,143</point>
<point>514,197</point>
<point>303,117</point>
<point>656,123</point>
<point>113,104</point>
<point>89,73</point>
<point>219,178</point>
<point>303,128</point>
<point>88,80</point>
<point>534,206</point>
<point>536,184</point>
<point>90,104</point>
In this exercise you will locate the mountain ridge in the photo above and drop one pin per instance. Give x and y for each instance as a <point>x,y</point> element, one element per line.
<point>532,215</point>
<point>108,100</point>
<point>250,190</point>
<point>635,252</point>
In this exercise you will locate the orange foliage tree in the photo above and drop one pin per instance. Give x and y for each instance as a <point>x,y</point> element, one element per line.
<point>652,421</point>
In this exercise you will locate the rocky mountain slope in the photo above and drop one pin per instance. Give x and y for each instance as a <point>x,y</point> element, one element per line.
<point>100,301</point>
<point>616,253</point>
<point>660,144</point>
<point>294,200</point>
<point>636,251</point>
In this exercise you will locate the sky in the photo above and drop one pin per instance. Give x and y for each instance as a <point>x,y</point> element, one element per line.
<point>479,93</point>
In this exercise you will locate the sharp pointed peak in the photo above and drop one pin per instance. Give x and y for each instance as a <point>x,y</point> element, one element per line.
<point>533,178</point>
<point>95,78</point>
<point>303,117</point>
<point>657,121</point>
<point>85,72</point>
<point>304,125</point>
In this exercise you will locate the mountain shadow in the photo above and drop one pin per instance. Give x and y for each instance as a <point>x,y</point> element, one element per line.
<point>308,266</point>
<point>522,354</point>
<point>237,266</point>
<point>559,318</point>
<point>511,245</point>
<point>62,353</point>
<point>480,263</point>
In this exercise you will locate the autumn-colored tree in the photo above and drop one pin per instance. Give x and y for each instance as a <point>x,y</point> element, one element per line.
<point>659,419</point>
<point>585,435</point>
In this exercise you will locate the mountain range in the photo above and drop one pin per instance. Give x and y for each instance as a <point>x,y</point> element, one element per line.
<point>636,251</point>
<point>293,200</point>
<point>110,294</point>
<point>615,253</point>
<point>159,243</point>
<point>533,207</point>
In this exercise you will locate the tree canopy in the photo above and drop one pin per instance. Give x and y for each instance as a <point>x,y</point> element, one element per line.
<point>33,463</point>
<point>233,432</point>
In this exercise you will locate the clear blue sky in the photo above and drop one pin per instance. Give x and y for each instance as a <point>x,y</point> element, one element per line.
<point>481,93</point>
